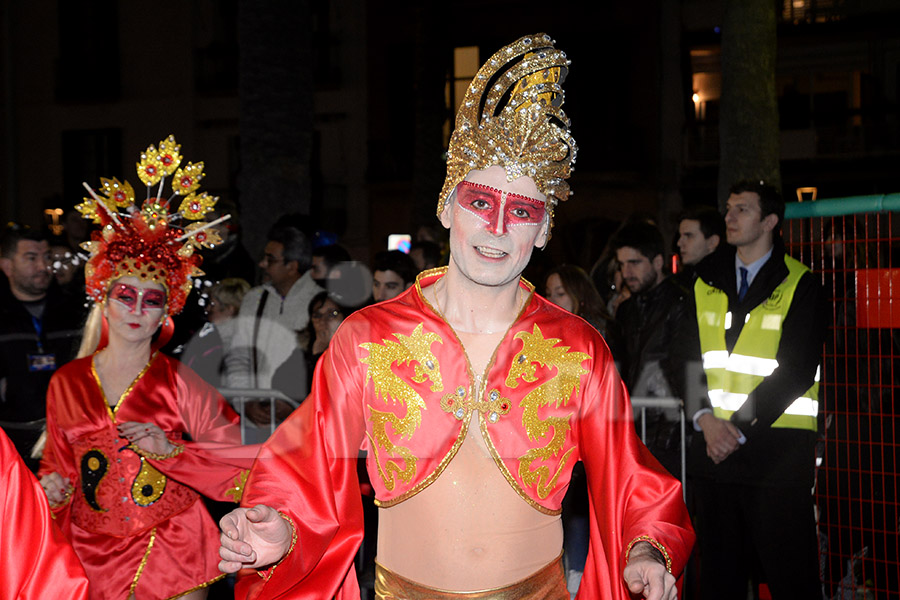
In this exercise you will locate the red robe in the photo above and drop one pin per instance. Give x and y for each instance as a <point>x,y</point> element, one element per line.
<point>38,562</point>
<point>138,524</point>
<point>395,382</point>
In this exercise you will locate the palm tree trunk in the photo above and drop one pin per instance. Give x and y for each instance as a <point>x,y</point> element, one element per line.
<point>748,127</point>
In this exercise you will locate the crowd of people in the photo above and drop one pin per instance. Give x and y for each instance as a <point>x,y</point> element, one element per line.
<point>497,438</point>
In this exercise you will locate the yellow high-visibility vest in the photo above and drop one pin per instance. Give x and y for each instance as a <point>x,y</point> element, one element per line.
<point>732,376</point>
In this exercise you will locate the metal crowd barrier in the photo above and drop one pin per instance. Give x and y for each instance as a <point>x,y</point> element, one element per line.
<point>238,398</point>
<point>642,404</point>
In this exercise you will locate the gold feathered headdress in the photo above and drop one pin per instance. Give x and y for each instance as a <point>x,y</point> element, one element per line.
<point>150,240</point>
<point>511,116</point>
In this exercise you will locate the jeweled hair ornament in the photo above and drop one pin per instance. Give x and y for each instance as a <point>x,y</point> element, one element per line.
<point>150,242</point>
<point>511,116</point>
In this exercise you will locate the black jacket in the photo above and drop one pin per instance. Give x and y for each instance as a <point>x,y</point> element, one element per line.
<point>649,327</point>
<point>771,455</point>
<point>22,390</point>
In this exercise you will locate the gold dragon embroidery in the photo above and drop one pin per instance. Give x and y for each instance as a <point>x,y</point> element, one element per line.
<point>414,349</point>
<point>545,352</point>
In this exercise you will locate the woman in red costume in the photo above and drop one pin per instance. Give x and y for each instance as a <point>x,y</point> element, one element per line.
<point>133,437</point>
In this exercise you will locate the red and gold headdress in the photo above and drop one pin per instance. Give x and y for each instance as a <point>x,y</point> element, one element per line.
<point>511,116</point>
<point>150,242</point>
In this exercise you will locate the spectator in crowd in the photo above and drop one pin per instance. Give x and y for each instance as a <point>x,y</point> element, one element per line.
<point>569,287</point>
<point>271,315</point>
<point>474,398</point>
<point>39,332</point>
<point>38,562</point>
<point>758,327</point>
<point>426,255</point>
<point>700,230</point>
<point>393,272</point>
<point>324,261</point>
<point>325,315</point>
<point>206,351</point>
<point>647,334</point>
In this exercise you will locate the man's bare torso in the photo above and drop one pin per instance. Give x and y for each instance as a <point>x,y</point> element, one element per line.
<point>469,530</point>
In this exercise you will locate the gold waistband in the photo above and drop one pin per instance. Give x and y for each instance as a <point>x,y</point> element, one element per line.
<point>547,584</point>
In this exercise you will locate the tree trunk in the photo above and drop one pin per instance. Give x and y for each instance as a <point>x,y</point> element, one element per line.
<point>748,126</point>
<point>276,127</point>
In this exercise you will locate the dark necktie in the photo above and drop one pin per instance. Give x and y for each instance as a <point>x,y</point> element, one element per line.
<point>744,285</point>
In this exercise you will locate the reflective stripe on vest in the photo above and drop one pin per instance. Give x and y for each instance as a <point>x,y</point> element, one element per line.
<point>731,377</point>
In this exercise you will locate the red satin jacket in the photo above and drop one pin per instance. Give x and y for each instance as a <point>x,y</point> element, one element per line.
<point>396,382</point>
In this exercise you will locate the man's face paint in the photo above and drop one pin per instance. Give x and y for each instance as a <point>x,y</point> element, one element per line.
<point>498,209</point>
<point>137,299</point>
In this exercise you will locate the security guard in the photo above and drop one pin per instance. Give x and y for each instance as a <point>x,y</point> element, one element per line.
<point>761,321</point>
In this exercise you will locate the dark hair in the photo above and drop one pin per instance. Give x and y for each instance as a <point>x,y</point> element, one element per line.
<point>642,236</point>
<point>711,221</point>
<point>320,298</point>
<point>770,200</point>
<point>13,234</point>
<point>332,254</point>
<point>398,262</point>
<point>296,245</point>
<point>431,252</point>
<point>588,303</point>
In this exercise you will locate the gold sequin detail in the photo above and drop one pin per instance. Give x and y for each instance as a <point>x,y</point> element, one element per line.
<point>538,350</point>
<point>528,134</point>
<point>143,564</point>
<point>415,350</point>
<point>653,542</point>
<point>148,486</point>
<point>93,463</point>
<point>240,481</point>
<point>113,410</point>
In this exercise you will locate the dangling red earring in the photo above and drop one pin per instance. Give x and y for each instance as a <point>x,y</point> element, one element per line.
<point>165,333</point>
<point>104,334</point>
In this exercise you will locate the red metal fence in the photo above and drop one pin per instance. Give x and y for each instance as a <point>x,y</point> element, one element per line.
<point>857,257</point>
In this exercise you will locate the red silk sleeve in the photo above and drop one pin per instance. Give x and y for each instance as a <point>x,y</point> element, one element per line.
<point>631,496</point>
<point>57,456</point>
<point>213,460</point>
<point>307,470</point>
<point>37,561</point>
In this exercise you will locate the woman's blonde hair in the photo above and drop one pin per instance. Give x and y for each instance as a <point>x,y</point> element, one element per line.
<point>230,292</point>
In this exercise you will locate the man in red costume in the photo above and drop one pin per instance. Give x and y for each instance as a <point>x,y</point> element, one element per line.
<point>473,398</point>
<point>37,560</point>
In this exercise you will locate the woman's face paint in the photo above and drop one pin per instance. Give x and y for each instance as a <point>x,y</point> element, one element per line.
<point>137,299</point>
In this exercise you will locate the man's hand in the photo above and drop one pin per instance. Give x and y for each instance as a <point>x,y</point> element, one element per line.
<point>146,436</point>
<point>646,575</point>
<point>253,537</point>
<point>721,437</point>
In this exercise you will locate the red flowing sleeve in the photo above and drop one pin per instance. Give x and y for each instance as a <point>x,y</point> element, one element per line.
<point>57,456</point>
<point>307,470</point>
<point>37,561</point>
<point>632,498</point>
<point>213,461</point>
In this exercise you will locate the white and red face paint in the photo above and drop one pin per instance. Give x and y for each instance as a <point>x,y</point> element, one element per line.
<point>136,299</point>
<point>499,210</point>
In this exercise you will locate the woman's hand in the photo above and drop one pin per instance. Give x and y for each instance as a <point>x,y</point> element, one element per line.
<point>146,436</point>
<point>57,487</point>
